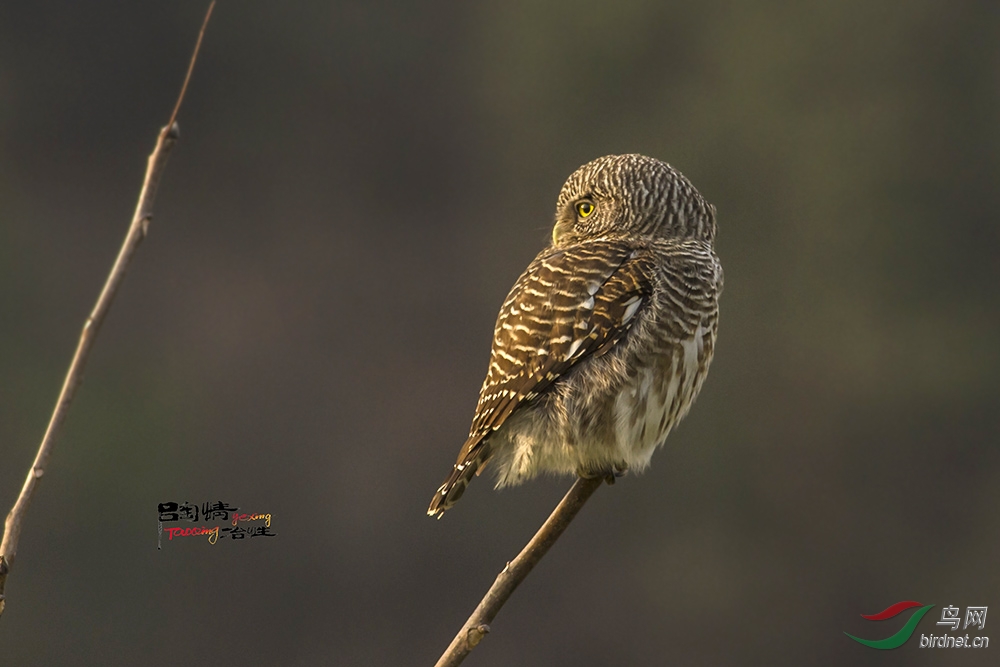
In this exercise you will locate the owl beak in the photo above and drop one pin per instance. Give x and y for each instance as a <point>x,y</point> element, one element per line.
<point>560,229</point>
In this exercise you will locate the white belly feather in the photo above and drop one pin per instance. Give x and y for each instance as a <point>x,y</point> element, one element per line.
<point>646,410</point>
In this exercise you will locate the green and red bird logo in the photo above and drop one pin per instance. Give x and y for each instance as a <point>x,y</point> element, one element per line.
<point>898,639</point>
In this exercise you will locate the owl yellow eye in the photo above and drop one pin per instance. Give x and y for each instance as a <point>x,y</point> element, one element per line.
<point>585,208</point>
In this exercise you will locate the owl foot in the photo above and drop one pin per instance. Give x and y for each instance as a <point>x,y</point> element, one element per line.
<point>610,475</point>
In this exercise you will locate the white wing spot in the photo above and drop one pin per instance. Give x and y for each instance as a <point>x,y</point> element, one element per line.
<point>631,306</point>
<point>574,348</point>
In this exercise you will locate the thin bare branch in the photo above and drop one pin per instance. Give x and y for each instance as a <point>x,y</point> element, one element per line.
<point>478,624</point>
<point>74,375</point>
<point>194,58</point>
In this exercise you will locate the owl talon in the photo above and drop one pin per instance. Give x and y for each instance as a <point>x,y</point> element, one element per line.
<point>617,471</point>
<point>609,475</point>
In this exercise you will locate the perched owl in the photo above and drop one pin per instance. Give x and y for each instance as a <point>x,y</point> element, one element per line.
<point>604,341</point>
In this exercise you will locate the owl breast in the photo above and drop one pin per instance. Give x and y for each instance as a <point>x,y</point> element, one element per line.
<point>658,396</point>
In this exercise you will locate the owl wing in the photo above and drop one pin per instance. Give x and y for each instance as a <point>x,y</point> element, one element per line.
<point>569,305</point>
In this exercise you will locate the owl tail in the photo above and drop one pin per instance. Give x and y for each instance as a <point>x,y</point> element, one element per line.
<point>459,477</point>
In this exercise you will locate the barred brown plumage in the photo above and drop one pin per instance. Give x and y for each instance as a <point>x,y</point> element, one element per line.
<point>604,341</point>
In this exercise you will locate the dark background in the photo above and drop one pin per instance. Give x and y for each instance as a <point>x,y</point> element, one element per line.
<point>306,327</point>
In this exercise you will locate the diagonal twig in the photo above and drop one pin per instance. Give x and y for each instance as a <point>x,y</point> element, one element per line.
<point>478,624</point>
<point>74,376</point>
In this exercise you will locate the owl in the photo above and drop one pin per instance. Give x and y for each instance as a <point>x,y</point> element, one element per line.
<point>603,343</point>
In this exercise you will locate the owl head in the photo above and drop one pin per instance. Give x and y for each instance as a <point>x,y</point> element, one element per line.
<point>631,196</point>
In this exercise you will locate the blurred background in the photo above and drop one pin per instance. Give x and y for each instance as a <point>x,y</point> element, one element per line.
<point>306,327</point>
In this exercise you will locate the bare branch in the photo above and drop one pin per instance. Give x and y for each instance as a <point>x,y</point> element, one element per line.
<point>510,578</point>
<point>194,58</point>
<point>74,376</point>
